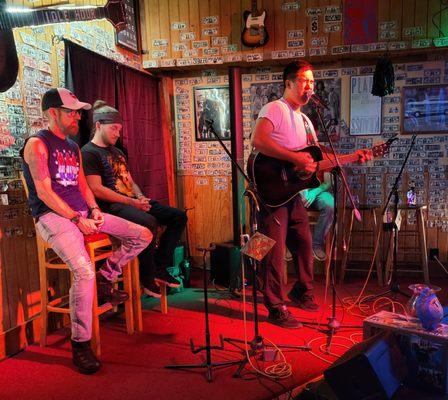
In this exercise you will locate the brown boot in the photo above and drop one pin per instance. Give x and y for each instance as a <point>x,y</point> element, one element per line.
<point>107,293</point>
<point>84,358</point>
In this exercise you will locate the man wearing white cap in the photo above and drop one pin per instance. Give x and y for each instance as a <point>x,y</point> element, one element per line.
<point>65,210</point>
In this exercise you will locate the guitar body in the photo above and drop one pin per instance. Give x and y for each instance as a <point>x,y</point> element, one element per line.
<point>277,181</point>
<point>9,63</point>
<point>254,33</point>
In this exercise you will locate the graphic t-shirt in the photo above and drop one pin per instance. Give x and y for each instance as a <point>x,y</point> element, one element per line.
<point>110,163</point>
<point>63,166</point>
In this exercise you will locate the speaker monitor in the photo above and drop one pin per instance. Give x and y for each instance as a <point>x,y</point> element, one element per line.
<point>225,265</point>
<point>370,370</point>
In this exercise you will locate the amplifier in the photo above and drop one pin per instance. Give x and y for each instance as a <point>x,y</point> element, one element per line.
<point>225,265</point>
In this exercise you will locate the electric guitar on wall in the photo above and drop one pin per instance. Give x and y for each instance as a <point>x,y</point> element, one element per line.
<point>254,33</point>
<point>113,11</point>
<point>278,181</point>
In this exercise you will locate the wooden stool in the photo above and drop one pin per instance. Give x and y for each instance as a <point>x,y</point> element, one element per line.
<point>374,231</point>
<point>137,292</point>
<point>313,216</point>
<point>421,234</point>
<point>99,247</point>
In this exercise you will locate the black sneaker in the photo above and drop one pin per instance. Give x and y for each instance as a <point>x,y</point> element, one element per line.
<point>107,293</point>
<point>84,359</point>
<point>152,289</point>
<point>165,278</point>
<point>305,301</point>
<point>281,316</point>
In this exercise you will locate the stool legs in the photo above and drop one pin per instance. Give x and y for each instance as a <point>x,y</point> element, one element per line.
<point>422,240</point>
<point>128,304</point>
<point>136,295</point>
<point>43,292</point>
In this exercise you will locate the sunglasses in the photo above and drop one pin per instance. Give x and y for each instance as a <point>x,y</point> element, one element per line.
<point>70,113</point>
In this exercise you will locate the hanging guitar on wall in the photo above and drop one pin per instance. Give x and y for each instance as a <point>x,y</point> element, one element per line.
<point>113,11</point>
<point>254,33</point>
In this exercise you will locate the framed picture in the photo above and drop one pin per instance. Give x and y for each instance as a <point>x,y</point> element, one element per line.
<point>365,108</point>
<point>329,91</point>
<point>129,38</point>
<point>212,112</point>
<point>424,109</point>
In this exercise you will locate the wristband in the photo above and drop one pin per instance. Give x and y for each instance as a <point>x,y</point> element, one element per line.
<point>93,208</point>
<point>76,218</point>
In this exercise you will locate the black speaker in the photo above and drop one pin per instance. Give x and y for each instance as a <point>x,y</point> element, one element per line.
<point>225,265</point>
<point>370,370</point>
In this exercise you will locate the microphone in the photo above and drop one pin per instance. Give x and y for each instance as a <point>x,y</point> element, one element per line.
<point>316,99</point>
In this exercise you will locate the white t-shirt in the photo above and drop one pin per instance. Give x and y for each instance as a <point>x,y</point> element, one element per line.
<point>289,129</point>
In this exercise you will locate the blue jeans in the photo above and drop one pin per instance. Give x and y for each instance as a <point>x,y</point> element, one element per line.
<point>324,203</point>
<point>67,241</point>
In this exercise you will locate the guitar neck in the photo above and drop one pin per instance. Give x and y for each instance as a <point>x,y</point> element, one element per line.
<point>254,8</point>
<point>49,16</point>
<point>328,165</point>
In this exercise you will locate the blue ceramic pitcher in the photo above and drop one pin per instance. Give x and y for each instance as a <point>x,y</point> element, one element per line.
<point>428,309</point>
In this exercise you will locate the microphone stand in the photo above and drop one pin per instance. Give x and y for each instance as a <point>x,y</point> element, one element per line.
<point>336,173</point>
<point>257,344</point>
<point>394,286</point>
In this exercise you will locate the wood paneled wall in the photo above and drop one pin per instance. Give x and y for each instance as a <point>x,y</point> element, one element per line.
<point>158,16</point>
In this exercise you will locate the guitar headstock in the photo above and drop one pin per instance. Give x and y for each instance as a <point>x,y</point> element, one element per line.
<point>116,14</point>
<point>381,149</point>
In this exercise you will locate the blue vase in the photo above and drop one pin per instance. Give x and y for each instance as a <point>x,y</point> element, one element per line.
<point>429,310</point>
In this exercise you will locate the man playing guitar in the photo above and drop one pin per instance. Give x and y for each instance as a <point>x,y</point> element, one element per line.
<point>280,131</point>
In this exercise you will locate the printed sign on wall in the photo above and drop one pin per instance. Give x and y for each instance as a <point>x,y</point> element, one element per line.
<point>365,109</point>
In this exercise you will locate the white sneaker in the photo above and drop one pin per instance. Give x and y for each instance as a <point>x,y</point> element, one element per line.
<point>319,253</point>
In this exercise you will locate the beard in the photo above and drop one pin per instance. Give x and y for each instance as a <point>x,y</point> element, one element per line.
<point>72,130</point>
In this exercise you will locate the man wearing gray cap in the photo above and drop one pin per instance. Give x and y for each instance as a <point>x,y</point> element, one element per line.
<point>65,210</point>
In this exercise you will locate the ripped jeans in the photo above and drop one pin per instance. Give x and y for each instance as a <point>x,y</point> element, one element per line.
<point>67,241</point>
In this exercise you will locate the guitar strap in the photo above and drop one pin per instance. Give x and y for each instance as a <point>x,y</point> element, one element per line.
<point>310,139</point>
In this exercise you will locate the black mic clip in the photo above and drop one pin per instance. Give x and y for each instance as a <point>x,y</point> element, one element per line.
<point>318,101</point>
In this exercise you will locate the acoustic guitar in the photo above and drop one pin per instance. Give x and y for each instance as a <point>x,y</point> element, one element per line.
<point>278,181</point>
<point>113,11</point>
<point>254,33</point>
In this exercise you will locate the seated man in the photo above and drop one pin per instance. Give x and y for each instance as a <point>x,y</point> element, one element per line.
<point>65,210</point>
<point>322,200</point>
<point>111,182</point>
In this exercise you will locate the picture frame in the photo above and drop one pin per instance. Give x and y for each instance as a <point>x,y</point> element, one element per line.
<point>212,112</point>
<point>329,92</point>
<point>424,109</point>
<point>130,37</point>
<point>365,108</point>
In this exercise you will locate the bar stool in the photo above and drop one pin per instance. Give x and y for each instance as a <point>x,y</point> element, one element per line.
<point>313,217</point>
<point>372,229</point>
<point>420,233</point>
<point>99,247</point>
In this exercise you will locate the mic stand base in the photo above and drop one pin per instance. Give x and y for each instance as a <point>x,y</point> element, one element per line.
<point>208,364</point>
<point>257,344</point>
<point>257,347</point>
